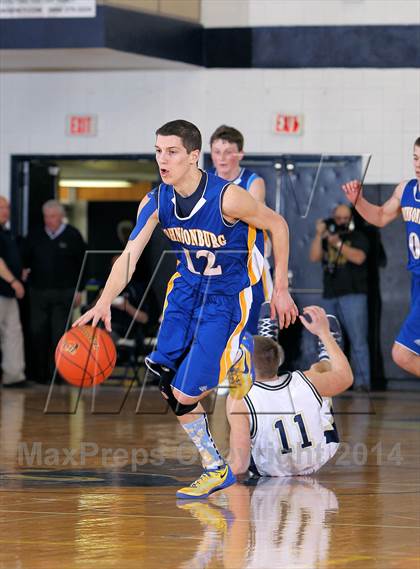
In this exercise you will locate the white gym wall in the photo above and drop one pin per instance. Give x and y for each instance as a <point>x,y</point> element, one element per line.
<point>345,111</point>
<point>349,111</point>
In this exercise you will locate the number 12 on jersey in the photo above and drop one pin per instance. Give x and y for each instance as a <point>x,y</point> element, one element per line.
<point>210,270</point>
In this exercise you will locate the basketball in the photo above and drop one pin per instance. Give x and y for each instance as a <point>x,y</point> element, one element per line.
<point>85,356</point>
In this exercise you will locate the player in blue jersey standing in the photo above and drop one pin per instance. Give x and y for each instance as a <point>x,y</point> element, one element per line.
<point>211,224</point>
<point>405,200</point>
<point>227,151</point>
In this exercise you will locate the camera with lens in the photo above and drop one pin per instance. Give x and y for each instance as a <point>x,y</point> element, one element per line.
<point>334,228</point>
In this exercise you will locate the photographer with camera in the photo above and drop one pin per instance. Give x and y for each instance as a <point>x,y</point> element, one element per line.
<point>343,252</point>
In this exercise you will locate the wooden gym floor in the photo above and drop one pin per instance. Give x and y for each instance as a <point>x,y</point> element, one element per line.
<point>88,484</point>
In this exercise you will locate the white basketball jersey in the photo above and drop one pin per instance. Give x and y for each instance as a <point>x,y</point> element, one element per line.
<point>292,426</point>
<point>289,523</point>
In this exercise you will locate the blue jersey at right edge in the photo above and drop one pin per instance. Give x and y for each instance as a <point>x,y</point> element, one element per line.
<point>410,207</point>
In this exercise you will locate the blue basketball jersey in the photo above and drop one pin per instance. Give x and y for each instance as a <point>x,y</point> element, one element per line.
<point>410,207</point>
<point>212,254</point>
<point>244,180</point>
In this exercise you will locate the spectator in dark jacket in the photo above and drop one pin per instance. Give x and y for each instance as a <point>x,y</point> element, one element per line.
<point>53,258</point>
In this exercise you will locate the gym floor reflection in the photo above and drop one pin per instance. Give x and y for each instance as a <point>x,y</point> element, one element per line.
<point>85,484</point>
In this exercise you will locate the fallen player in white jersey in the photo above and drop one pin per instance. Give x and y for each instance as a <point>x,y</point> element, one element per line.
<point>285,425</point>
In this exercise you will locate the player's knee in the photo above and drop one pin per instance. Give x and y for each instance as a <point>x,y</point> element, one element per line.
<point>184,399</point>
<point>181,409</point>
<point>181,404</point>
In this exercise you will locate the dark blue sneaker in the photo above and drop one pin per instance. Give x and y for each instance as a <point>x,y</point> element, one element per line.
<point>266,326</point>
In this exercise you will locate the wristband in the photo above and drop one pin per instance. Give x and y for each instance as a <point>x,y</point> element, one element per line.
<point>12,281</point>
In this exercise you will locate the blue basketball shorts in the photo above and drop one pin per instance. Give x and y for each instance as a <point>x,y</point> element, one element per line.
<point>409,335</point>
<point>258,298</point>
<point>200,334</point>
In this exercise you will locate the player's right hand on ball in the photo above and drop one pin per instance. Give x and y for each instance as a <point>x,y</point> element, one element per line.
<point>95,314</point>
<point>353,190</point>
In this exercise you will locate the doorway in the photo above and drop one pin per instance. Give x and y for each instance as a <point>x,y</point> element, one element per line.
<point>100,195</point>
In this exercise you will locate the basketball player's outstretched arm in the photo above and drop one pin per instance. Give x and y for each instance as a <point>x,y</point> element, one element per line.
<point>239,204</point>
<point>375,214</point>
<point>340,376</point>
<point>239,440</point>
<point>257,191</point>
<point>124,266</point>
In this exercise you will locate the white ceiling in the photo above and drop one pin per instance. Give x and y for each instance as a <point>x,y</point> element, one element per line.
<point>81,59</point>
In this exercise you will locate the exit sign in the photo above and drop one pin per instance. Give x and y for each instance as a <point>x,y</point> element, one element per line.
<point>288,124</point>
<point>81,125</point>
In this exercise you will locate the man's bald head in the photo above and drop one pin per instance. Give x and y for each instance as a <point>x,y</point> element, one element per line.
<point>342,214</point>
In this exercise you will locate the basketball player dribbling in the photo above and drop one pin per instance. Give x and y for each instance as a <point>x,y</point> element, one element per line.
<point>405,200</point>
<point>212,225</point>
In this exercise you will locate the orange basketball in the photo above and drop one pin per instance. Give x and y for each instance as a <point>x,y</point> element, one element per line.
<point>85,356</point>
